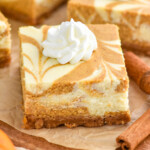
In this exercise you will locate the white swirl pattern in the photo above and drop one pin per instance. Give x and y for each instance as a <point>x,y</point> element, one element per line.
<point>40,69</point>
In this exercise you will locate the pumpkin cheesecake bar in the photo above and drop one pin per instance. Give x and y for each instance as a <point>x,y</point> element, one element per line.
<point>90,92</point>
<point>5,41</point>
<point>29,11</point>
<point>132,17</point>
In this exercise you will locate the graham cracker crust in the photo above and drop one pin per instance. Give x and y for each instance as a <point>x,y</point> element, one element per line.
<point>111,118</point>
<point>4,57</point>
<point>4,62</point>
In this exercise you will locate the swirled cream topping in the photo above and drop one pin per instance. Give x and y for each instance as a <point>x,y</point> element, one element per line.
<point>70,42</point>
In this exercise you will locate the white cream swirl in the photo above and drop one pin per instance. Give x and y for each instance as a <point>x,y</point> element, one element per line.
<point>70,42</point>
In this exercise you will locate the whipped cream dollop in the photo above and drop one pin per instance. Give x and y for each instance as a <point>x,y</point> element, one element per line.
<point>70,42</point>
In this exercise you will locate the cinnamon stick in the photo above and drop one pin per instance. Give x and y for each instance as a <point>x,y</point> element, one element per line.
<point>30,142</point>
<point>136,133</point>
<point>145,145</point>
<point>138,71</point>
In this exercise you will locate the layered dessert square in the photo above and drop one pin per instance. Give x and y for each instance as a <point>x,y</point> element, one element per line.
<point>132,17</point>
<point>5,41</point>
<point>89,93</point>
<point>29,11</point>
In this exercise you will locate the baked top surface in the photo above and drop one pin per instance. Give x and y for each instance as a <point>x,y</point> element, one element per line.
<point>141,6</point>
<point>106,63</point>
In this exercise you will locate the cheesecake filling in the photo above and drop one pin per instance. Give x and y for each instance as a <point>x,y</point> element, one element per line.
<point>5,42</point>
<point>3,27</point>
<point>117,8</point>
<point>140,30</point>
<point>97,106</point>
<point>142,33</point>
<point>4,38</point>
<point>98,98</point>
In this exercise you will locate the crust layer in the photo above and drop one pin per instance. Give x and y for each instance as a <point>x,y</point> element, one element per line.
<point>4,58</point>
<point>110,118</point>
<point>5,61</point>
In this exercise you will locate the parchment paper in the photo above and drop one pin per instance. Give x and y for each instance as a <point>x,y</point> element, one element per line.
<point>102,138</point>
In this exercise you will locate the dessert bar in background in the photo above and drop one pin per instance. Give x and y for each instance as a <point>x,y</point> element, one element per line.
<point>29,11</point>
<point>5,41</point>
<point>132,17</point>
<point>89,93</point>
